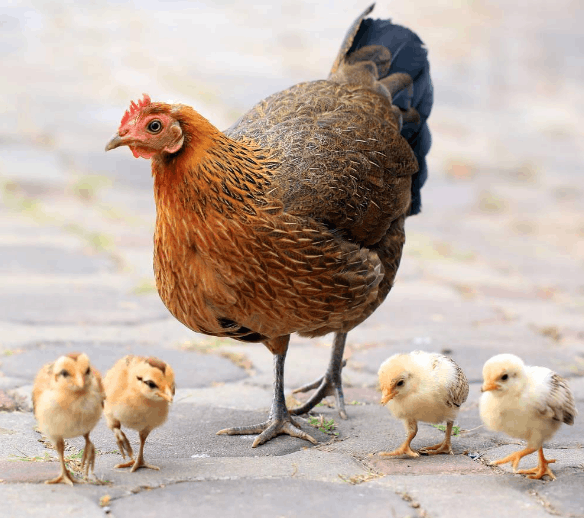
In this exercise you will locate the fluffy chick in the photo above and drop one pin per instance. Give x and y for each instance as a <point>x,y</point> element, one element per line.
<point>67,399</point>
<point>139,392</point>
<point>425,387</point>
<point>528,403</point>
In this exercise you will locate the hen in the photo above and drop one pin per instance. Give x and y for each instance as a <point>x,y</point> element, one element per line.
<point>292,220</point>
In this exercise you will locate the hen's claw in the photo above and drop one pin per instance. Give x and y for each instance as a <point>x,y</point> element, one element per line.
<point>268,430</point>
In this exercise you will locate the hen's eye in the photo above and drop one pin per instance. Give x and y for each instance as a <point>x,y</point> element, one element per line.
<point>400,383</point>
<point>155,126</point>
<point>151,384</point>
<point>505,377</point>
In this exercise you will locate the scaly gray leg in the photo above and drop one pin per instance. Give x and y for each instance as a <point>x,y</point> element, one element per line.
<point>279,421</point>
<point>331,384</point>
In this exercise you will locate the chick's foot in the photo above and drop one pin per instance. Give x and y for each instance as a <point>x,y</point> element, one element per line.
<point>541,470</point>
<point>443,447</point>
<point>513,458</point>
<point>402,450</point>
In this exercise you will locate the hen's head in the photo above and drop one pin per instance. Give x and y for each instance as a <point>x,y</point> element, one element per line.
<point>149,129</point>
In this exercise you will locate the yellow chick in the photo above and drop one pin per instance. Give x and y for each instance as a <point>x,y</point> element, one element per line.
<point>67,399</point>
<point>425,387</point>
<point>139,392</point>
<point>528,403</point>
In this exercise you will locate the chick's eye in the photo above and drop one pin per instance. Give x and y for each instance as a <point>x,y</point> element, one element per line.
<point>505,377</point>
<point>151,384</point>
<point>155,126</point>
<point>64,373</point>
<point>400,383</point>
<point>87,371</point>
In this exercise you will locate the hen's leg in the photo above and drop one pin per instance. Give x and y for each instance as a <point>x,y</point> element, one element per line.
<point>331,384</point>
<point>405,449</point>
<point>279,421</point>
<point>541,469</point>
<point>64,476</point>
<point>444,447</point>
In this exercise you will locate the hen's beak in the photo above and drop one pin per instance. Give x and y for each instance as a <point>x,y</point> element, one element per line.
<point>487,386</point>
<point>387,396</point>
<point>116,141</point>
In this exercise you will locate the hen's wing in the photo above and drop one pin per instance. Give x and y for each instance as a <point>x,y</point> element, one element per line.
<point>341,158</point>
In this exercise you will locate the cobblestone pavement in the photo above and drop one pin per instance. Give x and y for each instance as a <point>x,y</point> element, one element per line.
<point>493,264</point>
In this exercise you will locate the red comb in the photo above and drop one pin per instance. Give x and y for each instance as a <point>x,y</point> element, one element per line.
<point>135,108</point>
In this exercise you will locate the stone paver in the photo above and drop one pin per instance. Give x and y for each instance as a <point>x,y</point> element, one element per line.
<point>493,264</point>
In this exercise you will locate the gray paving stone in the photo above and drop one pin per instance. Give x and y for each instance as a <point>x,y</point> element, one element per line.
<point>470,496</point>
<point>240,498</point>
<point>21,260</point>
<point>59,304</point>
<point>40,501</point>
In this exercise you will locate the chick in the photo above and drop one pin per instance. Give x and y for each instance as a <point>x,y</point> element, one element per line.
<point>139,392</point>
<point>425,387</point>
<point>528,403</point>
<point>67,399</point>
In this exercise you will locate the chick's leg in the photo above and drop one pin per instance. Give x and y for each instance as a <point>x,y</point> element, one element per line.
<point>279,421</point>
<point>514,458</point>
<point>88,460</point>
<point>541,469</point>
<point>64,477</point>
<point>444,447</point>
<point>123,443</point>
<point>331,384</point>
<point>411,426</point>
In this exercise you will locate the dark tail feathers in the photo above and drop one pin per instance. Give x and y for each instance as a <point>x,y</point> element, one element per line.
<point>410,56</point>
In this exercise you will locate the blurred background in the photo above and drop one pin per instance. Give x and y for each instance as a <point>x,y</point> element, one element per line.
<point>500,241</point>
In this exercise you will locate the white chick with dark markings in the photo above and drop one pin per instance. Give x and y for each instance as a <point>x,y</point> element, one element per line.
<point>528,403</point>
<point>67,399</point>
<point>422,386</point>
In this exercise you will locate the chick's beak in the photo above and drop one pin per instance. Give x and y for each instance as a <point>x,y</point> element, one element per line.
<point>489,385</point>
<point>116,141</point>
<point>167,395</point>
<point>79,381</point>
<point>387,396</point>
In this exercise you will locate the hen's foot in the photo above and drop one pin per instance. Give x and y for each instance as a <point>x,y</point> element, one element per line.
<point>402,450</point>
<point>268,430</point>
<point>328,385</point>
<point>443,447</point>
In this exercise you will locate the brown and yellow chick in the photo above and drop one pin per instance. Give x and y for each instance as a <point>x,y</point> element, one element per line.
<point>528,403</point>
<point>139,392</point>
<point>67,399</point>
<point>425,387</point>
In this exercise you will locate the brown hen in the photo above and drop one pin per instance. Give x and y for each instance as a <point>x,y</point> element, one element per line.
<point>292,220</point>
